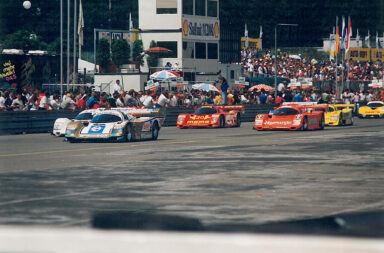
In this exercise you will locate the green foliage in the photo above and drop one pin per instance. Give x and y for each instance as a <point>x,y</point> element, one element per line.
<point>120,51</point>
<point>153,59</point>
<point>137,51</point>
<point>103,54</point>
<point>24,40</point>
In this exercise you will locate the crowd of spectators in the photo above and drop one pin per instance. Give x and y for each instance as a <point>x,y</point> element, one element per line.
<point>43,100</point>
<point>255,64</point>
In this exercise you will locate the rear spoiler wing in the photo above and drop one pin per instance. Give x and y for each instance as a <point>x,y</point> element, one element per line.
<point>142,112</point>
<point>227,108</point>
<point>343,106</point>
<point>300,103</point>
<point>323,107</point>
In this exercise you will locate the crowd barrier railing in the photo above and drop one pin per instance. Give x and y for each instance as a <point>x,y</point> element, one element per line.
<point>20,122</point>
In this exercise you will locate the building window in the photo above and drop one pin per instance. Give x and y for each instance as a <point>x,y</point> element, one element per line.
<point>171,45</point>
<point>188,50</point>
<point>188,7</point>
<point>166,6</point>
<point>212,8</point>
<point>201,50</point>
<point>200,7</point>
<point>212,51</point>
<point>232,74</point>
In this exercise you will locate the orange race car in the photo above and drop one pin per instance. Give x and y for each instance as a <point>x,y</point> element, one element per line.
<point>290,117</point>
<point>212,116</point>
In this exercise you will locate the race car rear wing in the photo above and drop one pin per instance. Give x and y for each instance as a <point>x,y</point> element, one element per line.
<point>343,106</point>
<point>142,112</point>
<point>227,108</point>
<point>322,107</point>
<point>300,103</point>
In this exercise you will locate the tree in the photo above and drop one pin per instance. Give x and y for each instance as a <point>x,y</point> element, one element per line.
<point>153,58</point>
<point>103,55</point>
<point>23,39</point>
<point>137,51</point>
<point>120,51</point>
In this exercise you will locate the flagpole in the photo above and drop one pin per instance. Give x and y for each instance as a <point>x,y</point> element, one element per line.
<point>358,46</point>
<point>337,91</point>
<point>74,41</point>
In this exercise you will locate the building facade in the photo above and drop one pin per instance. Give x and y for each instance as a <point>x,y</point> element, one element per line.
<point>190,28</point>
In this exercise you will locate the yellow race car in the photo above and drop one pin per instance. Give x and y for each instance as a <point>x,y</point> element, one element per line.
<point>339,114</point>
<point>372,109</point>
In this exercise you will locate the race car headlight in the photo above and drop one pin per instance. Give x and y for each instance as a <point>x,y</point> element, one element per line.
<point>259,122</point>
<point>117,131</point>
<point>382,109</point>
<point>180,119</point>
<point>334,118</point>
<point>296,122</point>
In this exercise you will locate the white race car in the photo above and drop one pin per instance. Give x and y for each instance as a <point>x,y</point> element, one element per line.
<point>115,125</point>
<point>84,117</point>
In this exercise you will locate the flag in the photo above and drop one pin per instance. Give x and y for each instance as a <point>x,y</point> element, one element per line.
<point>246,37</point>
<point>343,34</point>
<point>80,28</point>
<point>381,41</point>
<point>377,41</point>
<point>337,44</point>
<point>261,37</point>
<point>349,35</point>
<point>367,40</point>
<point>357,38</point>
<point>332,39</point>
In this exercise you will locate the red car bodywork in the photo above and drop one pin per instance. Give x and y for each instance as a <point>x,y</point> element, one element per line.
<point>296,118</point>
<point>216,116</point>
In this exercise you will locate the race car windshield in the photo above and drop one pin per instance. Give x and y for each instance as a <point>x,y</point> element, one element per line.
<point>375,105</point>
<point>84,116</point>
<point>202,111</point>
<point>106,118</point>
<point>285,112</point>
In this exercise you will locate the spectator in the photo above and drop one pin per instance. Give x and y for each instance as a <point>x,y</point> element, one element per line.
<point>117,87</point>
<point>163,99</point>
<point>68,103</point>
<point>17,103</point>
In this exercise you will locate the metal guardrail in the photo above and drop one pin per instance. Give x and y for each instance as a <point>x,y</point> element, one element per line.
<point>42,121</point>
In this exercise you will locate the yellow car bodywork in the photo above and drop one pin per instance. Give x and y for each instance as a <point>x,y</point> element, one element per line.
<point>372,109</point>
<point>339,114</point>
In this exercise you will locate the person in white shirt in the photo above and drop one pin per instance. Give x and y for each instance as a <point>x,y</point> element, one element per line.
<point>148,102</point>
<point>117,87</point>
<point>17,103</point>
<point>2,102</point>
<point>173,100</point>
<point>163,99</point>
<point>369,97</point>
<point>54,102</point>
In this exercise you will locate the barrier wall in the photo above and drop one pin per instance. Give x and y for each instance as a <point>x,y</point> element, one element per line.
<point>42,121</point>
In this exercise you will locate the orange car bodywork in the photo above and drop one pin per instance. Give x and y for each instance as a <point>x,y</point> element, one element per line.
<point>231,115</point>
<point>314,120</point>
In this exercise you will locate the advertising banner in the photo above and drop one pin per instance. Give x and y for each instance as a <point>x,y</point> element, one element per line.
<point>201,29</point>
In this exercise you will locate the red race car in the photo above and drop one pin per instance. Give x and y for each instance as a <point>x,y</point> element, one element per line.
<point>212,116</point>
<point>290,117</point>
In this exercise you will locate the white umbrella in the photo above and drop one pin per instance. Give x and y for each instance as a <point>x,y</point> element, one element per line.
<point>205,87</point>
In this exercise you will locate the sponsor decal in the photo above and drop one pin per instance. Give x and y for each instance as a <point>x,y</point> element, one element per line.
<point>198,122</point>
<point>97,129</point>
<point>186,27</point>
<point>284,123</point>
<point>198,117</point>
<point>146,126</point>
<point>216,30</point>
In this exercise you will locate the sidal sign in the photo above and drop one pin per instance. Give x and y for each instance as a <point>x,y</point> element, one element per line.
<point>206,29</point>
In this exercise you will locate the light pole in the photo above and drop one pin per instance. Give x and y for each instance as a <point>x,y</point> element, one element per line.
<point>276,53</point>
<point>61,49</point>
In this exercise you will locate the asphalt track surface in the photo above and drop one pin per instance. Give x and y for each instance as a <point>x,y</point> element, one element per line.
<point>232,175</point>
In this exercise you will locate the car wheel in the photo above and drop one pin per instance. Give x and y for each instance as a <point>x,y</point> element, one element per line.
<point>305,124</point>
<point>322,123</point>
<point>222,122</point>
<point>155,131</point>
<point>352,121</point>
<point>340,121</point>
<point>238,120</point>
<point>128,136</point>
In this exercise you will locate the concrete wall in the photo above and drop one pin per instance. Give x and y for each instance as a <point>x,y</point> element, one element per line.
<point>148,19</point>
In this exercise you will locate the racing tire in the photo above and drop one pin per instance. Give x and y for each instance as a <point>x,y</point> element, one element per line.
<point>238,120</point>
<point>305,124</point>
<point>340,123</point>
<point>222,122</point>
<point>352,121</point>
<point>128,136</point>
<point>71,140</point>
<point>155,131</point>
<point>322,123</point>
